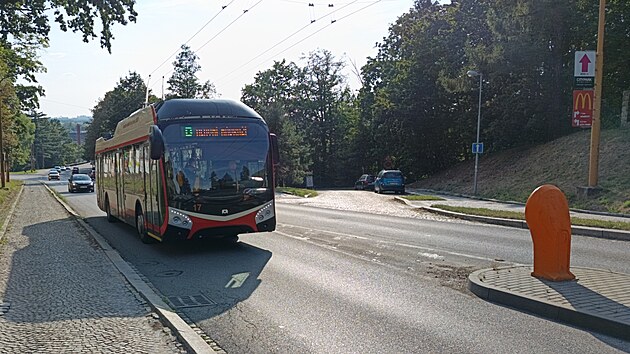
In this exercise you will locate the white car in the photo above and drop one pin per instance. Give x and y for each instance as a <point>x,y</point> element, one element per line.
<point>53,174</point>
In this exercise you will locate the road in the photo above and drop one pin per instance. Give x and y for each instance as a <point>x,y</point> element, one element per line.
<point>355,272</point>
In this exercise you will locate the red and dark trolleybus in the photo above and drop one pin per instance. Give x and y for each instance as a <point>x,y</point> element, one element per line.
<point>188,169</point>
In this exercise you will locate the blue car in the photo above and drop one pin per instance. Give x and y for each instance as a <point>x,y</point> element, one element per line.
<point>390,180</point>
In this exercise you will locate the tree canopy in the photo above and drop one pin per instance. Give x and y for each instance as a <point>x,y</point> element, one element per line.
<point>29,20</point>
<point>117,104</point>
<point>184,83</point>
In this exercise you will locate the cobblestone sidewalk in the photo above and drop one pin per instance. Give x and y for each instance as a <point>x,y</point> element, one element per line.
<point>60,294</point>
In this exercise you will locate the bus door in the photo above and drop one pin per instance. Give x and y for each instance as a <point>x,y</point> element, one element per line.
<point>153,193</point>
<point>120,186</point>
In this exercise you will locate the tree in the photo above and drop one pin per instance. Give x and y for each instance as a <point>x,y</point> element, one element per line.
<point>117,104</point>
<point>20,142</point>
<point>313,113</point>
<point>184,82</point>
<point>273,95</point>
<point>52,144</point>
<point>22,63</point>
<point>29,20</point>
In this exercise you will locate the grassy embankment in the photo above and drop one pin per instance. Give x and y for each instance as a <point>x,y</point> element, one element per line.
<point>513,174</point>
<point>521,216</point>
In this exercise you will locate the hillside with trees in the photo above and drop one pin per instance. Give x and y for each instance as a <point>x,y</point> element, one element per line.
<point>514,173</point>
<point>418,108</point>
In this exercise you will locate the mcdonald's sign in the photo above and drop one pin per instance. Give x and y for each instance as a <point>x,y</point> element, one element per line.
<point>582,108</point>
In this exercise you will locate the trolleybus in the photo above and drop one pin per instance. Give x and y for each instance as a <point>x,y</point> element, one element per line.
<point>188,169</point>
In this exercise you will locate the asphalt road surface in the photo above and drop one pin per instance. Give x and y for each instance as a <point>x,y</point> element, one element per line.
<point>355,272</point>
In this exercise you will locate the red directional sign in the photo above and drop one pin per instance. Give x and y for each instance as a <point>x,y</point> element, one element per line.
<point>582,108</point>
<point>585,61</point>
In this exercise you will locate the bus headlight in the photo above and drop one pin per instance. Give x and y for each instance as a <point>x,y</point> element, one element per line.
<point>179,219</point>
<point>266,213</point>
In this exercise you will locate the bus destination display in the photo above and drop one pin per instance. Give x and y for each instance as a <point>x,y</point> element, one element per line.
<point>209,132</point>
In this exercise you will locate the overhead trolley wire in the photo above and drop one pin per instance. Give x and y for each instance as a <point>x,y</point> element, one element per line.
<point>229,24</point>
<point>221,31</point>
<point>193,36</point>
<point>285,39</point>
<point>305,38</point>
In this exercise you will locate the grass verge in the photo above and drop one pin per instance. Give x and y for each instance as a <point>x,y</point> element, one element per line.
<point>605,224</point>
<point>7,196</point>
<point>59,195</point>
<point>421,197</point>
<point>300,192</point>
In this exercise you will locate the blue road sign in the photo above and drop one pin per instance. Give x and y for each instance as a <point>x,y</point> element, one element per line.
<point>477,148</point>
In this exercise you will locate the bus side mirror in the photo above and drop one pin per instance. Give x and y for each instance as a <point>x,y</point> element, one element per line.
<point>156,142</point>
<point>275,151</point>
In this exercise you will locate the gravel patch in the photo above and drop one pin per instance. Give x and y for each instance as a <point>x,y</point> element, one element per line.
<point>361,201</point>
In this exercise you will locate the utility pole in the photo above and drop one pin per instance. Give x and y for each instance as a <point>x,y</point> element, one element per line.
<point>1,148</point>
<point>2,160</point>
<point>146,96</point>
<point>597,111</point>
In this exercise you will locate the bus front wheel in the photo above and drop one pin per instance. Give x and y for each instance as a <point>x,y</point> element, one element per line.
<point>141,228</point>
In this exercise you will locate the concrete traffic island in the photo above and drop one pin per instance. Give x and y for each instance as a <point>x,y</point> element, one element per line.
<point>594,299</point>
<point>598,300</point>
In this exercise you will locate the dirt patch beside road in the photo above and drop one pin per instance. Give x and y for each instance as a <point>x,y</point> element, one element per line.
<point>361,201</point>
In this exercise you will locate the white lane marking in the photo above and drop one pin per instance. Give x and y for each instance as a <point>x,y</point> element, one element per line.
<point>428,249</point>
<point>431,255</point>
<point>291,236</point>
<point>330,232</point>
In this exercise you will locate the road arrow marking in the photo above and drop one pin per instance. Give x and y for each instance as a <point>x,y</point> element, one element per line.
<point>237,280</point>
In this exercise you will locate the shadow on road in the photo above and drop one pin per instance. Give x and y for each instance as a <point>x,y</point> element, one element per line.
<point>203,278</point>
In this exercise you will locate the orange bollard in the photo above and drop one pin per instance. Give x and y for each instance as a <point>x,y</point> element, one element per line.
<point>547,215</point>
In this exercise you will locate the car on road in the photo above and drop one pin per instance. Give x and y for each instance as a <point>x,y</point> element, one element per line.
<point>390,180</point>
<point>80,182</point>
<point>365,182</point>
<point>75,170</point>
<point>53,174</point>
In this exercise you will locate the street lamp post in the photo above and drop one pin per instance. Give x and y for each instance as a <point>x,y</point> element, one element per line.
<point>473,73</point>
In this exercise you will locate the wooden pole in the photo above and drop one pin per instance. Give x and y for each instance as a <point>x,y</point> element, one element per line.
<point>1,148</point>
<point>597,111</point>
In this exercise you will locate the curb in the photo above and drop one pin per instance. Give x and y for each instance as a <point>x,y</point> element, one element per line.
<point>546,309</point>
<point>509,202</point>
<point>5,224</point>
<point>188,337</point>
<point>609,234</point>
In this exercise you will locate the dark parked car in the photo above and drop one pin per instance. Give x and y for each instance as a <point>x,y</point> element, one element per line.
<point>390,180</point>
<point>365,182</point>
<point>80,182</point>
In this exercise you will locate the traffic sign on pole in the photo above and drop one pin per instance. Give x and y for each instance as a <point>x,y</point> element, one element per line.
<point>585,63</point>
<point>584,82</point>
<point>582,108</point>
<point>477,148</point>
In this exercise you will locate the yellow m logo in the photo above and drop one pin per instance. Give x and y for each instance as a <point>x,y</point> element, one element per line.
<point>584,97</point>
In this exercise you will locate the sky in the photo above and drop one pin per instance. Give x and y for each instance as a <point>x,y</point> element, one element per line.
<point>232,47</point>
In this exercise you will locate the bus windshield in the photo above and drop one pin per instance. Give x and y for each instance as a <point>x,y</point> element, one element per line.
<point>216,162</point>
